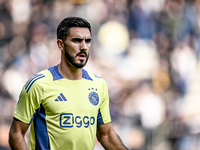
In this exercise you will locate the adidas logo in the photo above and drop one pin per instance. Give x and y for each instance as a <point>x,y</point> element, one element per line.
<point>61,97</point>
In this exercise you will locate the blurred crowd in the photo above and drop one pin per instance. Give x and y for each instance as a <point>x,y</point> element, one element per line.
<point>147,51</point>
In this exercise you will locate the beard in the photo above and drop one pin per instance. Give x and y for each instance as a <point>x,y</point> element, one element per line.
<point>71,59</point>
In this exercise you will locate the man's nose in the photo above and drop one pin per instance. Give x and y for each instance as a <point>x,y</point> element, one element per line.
<point>83,45</point>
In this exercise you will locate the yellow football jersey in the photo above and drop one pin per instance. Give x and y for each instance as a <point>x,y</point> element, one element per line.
<point>63,113</point>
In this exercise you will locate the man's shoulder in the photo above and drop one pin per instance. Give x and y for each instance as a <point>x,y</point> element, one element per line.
<point>92,76</point>
<point>43,75</point>
<point>39,78</point>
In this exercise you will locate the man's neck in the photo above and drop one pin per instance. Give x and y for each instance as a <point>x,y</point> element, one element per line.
<point>70,73</point>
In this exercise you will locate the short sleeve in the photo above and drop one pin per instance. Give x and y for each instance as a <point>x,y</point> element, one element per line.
<point>104,111</point>
<point>29,100</point>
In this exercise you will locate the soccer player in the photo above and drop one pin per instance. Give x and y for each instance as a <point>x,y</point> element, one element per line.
<point>66,106</point>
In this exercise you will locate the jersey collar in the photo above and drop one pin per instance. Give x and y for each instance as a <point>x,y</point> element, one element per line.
<point>57,76</point>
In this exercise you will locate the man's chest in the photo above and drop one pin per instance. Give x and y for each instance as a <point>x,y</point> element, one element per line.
<point>72,105</point>
<point>72,98</point>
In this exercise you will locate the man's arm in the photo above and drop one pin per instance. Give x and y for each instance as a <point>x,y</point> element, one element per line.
<point>109,138</point>
<point>16,135</point>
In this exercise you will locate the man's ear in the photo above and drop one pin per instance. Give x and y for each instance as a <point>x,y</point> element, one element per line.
<point>60,44</point>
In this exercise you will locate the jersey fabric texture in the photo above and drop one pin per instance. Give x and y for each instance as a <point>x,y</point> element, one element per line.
<point>63,113</point>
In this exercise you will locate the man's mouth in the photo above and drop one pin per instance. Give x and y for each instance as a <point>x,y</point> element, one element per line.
<point>82,54</point>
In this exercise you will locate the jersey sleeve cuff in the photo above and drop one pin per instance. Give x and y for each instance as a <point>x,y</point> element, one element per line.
<point>15,115</point>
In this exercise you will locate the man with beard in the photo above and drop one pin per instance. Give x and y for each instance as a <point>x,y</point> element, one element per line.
<point>66,106</point>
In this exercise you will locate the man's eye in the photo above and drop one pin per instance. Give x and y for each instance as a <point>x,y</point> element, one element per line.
<point>88,40</point>
<point>76,40</point>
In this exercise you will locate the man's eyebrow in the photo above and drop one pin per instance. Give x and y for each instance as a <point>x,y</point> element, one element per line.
<point>80,39</point>
<point>77,39</point>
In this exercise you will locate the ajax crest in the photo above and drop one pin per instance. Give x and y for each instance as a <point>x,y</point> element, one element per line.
<point>93,97</point>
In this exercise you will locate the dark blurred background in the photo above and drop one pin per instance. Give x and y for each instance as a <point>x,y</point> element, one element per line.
<point>146,50</point>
